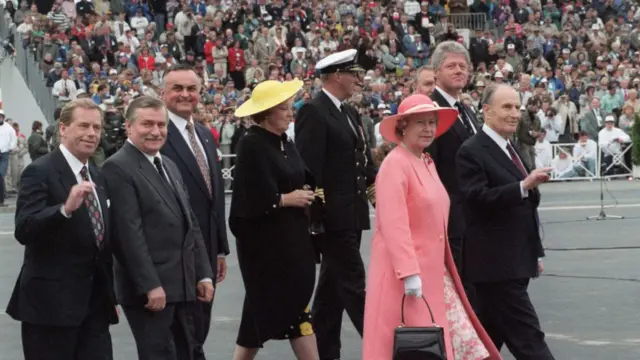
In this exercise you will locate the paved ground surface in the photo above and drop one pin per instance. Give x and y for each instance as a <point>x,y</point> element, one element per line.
<point>584,318</point>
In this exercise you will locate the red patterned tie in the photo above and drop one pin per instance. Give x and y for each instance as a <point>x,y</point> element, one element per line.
<point>91,202</point>
<point>516,159</point>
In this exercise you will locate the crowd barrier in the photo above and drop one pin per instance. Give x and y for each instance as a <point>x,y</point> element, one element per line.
<point>228,164</point>
<point>29,68</point>
<point>470,21</point>
<point>620,163</point>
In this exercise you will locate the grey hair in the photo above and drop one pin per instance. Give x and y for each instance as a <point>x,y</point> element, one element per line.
<point>489,92</point>
<point>143,102</point>
<point>423,68</point>
<point>448,47</point>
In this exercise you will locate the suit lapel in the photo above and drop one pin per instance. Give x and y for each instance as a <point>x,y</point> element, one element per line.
<point>178,190</point>
<point>149,172</point>
<point>499,155</point>
<point>68,180</point>
<point>338,116</point>
<point>177,141</point>
<point>458,128</point>
<point>210,150</point>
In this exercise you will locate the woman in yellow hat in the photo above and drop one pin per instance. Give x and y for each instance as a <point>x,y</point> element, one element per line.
<point>268,218</point>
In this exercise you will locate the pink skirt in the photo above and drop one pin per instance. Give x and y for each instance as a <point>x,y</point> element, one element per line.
<point>464,338</point>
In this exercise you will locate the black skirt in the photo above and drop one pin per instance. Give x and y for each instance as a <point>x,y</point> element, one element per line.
<point>249,337</point>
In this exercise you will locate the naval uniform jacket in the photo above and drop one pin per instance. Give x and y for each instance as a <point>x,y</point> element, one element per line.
<point>339,160</point>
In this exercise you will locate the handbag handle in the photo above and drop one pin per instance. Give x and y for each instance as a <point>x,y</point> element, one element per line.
<point>404,296</point>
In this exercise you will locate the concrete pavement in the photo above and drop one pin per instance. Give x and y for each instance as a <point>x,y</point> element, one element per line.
<point>589,316</point>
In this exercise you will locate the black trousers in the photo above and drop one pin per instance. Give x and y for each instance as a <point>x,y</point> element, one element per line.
<point>341,287</point>
<point>163,335</point>
<point>202,324</point>
<point>90,340</point>
<point>508,316</point>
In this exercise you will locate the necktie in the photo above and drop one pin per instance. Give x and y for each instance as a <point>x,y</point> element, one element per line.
<point>351,123</point>
<point>465,120</point>
<point>516,160</point>
<point>91,202</point>
<point>158,163</point>
<point>202,163</point>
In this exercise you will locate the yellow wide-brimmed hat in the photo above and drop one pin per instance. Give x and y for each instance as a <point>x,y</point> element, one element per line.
<point>268,94</point>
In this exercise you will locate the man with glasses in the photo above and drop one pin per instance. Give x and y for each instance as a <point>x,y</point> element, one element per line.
<point>330,138</point>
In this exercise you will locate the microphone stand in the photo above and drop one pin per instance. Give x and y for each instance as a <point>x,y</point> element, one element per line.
<point>602,215</point>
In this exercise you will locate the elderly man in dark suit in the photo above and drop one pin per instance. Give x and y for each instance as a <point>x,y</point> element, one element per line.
<point>192,148</point>
<point>502,240</point>
<point>451,64</point>
<point>161,264</point>
<point>64,294</point>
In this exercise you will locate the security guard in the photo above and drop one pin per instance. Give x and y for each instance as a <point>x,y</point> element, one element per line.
<point>330,138</point>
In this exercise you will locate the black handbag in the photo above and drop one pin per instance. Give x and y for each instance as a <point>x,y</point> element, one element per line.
<point>419,343</point>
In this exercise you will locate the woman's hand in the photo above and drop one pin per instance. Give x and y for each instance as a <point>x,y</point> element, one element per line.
<point>298,198</point>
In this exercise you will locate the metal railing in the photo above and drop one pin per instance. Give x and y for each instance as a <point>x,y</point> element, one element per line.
<point>470,21</point>
<point>227,171</point>
<point>616,166</point>
<point>29,68</point>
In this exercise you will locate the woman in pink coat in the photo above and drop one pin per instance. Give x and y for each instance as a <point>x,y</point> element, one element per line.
<point>410,253</point>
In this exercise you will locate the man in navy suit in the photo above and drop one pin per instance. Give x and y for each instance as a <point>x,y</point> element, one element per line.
<point>192,148</point>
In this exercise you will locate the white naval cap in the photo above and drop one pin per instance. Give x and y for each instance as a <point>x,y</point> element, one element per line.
<point>346,60</point>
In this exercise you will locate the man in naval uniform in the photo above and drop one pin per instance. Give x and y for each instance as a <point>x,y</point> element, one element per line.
<point>330,138</point>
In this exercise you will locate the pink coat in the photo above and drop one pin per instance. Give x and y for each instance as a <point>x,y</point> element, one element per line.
<point>412,208</point>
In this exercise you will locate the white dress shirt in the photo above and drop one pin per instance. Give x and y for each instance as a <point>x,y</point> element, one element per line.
<point>502,143</point>
<point>151,158</point>
<point>452,103</point>
<point>8,138</point>
<point>76,166</point>
<point>181,124</point>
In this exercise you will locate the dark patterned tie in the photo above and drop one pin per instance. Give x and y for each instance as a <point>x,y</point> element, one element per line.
<point>465,119</point>
<point>516,160</point>
<point>202,162</point>
<point>91,202</point>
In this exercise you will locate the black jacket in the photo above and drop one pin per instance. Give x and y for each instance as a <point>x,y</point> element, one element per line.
<point>62,260</point>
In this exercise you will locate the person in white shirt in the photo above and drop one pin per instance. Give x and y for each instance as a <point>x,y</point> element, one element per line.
<point>544,151</point>
<point>610,139</point>
<point>563,167</point>
<point>585,152</point>
<point>8,142</point>
<point>551,122</point>
<point>64,89</point>
<point>140,23</point>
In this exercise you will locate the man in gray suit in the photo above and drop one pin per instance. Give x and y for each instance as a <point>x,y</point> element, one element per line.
<point>161,265</point>
<point>593,120</point>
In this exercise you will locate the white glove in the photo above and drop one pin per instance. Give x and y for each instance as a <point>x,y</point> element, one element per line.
<point>413,286</point>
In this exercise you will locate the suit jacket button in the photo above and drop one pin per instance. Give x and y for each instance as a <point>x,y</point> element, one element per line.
<point>357,163</point>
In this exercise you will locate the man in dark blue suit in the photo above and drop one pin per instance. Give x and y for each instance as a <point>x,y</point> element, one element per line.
<point>191,146</point>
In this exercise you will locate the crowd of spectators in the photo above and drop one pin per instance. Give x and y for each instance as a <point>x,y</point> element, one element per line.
<point>576,63</point>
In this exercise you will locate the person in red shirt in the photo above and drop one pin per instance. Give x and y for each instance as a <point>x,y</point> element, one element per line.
<point>146,61</point>
<point>237,65</point>
<point>209,45</point>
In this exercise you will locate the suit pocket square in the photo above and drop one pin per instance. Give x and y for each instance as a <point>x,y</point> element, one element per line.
<point>108,203</point>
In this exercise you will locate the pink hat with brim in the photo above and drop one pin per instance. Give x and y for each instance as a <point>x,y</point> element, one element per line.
<point>417,104</point>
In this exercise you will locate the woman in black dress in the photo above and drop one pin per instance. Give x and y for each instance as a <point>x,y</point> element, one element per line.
<point>268,218</point>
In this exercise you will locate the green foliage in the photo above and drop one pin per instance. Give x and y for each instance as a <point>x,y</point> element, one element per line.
<point>635,139</point>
